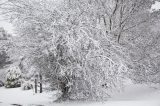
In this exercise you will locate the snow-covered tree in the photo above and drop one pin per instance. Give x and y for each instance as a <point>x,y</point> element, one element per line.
<point>144,53</point>
<point>76,45</point>
<point>4,39</point>
<point>3,34</point>
<point>4,59</point>
<point>13,77</point>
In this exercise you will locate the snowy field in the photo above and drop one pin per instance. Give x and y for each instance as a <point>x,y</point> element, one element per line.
<point>133,95</point>
<point>25,98</point>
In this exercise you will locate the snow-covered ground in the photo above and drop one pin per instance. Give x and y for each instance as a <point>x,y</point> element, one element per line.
<point>25,98</point>
<point>133,95</point>
<point>139,93</point>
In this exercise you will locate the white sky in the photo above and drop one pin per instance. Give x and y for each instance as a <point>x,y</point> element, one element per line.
<point>156,6</point>
<point>7,26</point>
<point>10,29</point>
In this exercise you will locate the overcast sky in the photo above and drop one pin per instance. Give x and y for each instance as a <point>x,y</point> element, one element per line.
<point>7,26</point>
<point>156,6</point>
<point>10,29</point>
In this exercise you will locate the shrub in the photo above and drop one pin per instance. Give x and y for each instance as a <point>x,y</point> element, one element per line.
<point>27,85</point>
<point>13,77</point>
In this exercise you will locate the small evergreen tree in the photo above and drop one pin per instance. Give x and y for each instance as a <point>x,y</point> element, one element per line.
<point>13,77</point>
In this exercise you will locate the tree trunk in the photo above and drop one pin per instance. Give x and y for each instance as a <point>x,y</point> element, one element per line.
<point>35,85</point>
<point>40,76</point>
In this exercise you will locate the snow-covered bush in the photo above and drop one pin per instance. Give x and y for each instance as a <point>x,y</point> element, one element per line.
<point>27,85</point>
<point>13,77</point>
<point>82,71</point>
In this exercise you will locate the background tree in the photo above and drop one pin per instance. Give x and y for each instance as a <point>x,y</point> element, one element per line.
<point>4,59</point>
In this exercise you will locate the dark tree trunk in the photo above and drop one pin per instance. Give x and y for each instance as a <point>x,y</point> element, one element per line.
<point>65,91</point>
<point>35,85</point>
<point>41,90</point>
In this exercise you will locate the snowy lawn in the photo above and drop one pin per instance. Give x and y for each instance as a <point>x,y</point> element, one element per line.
<point>138,92</point>
<point>19,96</point>
<point>133,95</point>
